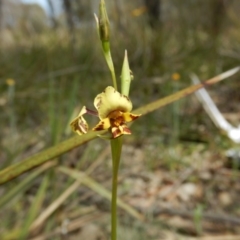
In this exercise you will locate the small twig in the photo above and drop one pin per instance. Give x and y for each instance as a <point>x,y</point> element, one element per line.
<point>71,226</point>
<point>222,237</point>
<point>169,235</point>
<point>207,216</point>
<point>102,191</point>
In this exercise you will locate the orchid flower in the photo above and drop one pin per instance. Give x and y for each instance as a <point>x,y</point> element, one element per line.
<point>113,110</point>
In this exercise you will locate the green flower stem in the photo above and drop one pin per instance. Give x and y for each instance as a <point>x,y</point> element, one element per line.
<point>116,147</point>
<point>104,35</point>
<point>114,205</point>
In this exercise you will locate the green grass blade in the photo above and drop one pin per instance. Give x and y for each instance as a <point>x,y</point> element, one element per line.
<point>35,207</point>
<point>52,152</point>
<point>185,92</point>
<point>23,185</point>
<point>98,188</point>
<point>44,156</point>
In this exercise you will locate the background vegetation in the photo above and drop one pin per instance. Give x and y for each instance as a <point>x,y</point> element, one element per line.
<point>174,169</point>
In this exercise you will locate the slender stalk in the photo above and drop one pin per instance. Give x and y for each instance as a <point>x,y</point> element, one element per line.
<point>114,204</point>
<point>116,147</point>
<point>108,58</point>
<point>104,35</point>
<point>12,115</point>
<point>175,116</point>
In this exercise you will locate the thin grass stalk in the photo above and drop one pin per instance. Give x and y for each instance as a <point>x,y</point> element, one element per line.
<point>12,114</point>
<point>20,167</point>
<point>175,116</point>
<point>25,165</point>
<point>53,123</point>
<point>23,185</point>
<point>35,207</point>
<point>54,206</point>
<point>69,190</point>
<point>99,189</point>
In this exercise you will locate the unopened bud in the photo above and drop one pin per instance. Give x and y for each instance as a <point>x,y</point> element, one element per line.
<point>104,32</point>
<point>126,76</point>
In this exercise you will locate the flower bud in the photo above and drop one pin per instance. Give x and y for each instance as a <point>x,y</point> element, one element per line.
<point>104,31</point>
<point>126,76</point>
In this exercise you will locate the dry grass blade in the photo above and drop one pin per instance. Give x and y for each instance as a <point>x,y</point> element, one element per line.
<point>185,92</point>
<point>24,184</point>
<point>50,209</point>
<point>71,226</point>
<point>167,235</point>
<point>61,199</point>
<point>222,237</point>
<point>98,188</point>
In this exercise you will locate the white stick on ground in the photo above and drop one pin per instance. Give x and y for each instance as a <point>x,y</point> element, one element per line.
<point>209,106</point>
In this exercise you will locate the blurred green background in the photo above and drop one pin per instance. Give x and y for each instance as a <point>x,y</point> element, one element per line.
<point>52,64</point>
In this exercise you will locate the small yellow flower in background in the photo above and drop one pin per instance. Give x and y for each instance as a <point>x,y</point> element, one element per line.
<point>10,82</point>
<point>176,76</point>
<point>114,111</point>
<point>139,11</point>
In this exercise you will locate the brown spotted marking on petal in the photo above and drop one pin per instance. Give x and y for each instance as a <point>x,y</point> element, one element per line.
<point>99,127</point>
<point>126,130</point>
<point>116,132</point>
<point>125,97</point>
<point>79,125</point>
<point>120,130</point>
<point>82,126</point>
<point>102,125</point>
<point>115,114</point>
<point>129,117</point>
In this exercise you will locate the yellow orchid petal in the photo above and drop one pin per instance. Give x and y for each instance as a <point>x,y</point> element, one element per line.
<point>83,111</point>
<point>111,100</point>
<point>79,124</point>
<point>129,117</point>
<point>102,125</point>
